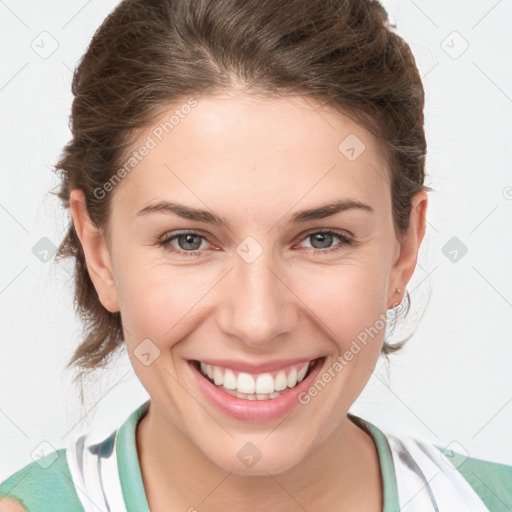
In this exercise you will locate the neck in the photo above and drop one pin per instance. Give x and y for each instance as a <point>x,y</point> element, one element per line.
<point>341,473</point>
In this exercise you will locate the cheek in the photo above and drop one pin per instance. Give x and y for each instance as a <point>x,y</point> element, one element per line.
<point>349,294</point>
<point>348,305</point>
<point>163,301</point>
<point>158,301</point>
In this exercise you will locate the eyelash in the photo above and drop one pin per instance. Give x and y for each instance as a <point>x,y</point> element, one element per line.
<point>345,241</point>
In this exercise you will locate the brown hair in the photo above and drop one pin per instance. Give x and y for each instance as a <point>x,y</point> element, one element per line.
<point>147,54</point>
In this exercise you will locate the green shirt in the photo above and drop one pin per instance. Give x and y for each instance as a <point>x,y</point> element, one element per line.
<point>106,476</point>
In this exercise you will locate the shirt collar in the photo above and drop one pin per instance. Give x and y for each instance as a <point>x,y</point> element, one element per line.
<point>134,493</point>
<point>387,468</point>
<point>130,475</point>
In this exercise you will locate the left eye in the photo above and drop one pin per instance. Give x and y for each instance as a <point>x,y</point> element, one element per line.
<point>324,238</point>
<point>186,240</point>
<point>189,242</point>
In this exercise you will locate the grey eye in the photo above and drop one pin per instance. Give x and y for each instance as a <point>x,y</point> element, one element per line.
<point>324,240</point>
<point>188,241</point>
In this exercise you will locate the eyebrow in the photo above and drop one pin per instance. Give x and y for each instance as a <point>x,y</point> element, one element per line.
<point>199,215</point>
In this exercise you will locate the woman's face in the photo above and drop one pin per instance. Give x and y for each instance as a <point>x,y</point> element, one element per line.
<point>264,287</point>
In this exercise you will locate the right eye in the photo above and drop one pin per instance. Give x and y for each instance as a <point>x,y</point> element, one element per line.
<point>185,239</point>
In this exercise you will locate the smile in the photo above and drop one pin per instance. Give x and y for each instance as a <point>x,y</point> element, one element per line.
<point>261,386</point>
<point>251,396</point>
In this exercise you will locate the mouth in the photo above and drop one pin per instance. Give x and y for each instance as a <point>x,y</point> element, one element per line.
<point>255,397</point>
<point>262,386</point>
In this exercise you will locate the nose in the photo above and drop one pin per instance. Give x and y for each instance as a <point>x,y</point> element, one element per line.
<point>257,304</point>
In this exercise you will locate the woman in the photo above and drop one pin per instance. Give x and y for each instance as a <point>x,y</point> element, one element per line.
<point>247,199</point>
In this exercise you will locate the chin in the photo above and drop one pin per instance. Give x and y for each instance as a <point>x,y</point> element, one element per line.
<point>247,460</point>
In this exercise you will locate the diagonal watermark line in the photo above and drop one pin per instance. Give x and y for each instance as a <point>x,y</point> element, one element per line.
<point>487,281</point>
<point>12,12</point>
<point>216,487</point>
<point>506,403</point>
<point>279,424</point>
<point>425,486</point>
<point>206,206</point>
<point>423,77</point>
<point>429,223</point>
<point>14,423</point>
<point>13,279</point>
<point>386,180</point>
<point>492,8</point>
<point>421,282</point>
<point>67,66</point>
<point>300,199</point>
<point>91,408</point>
<point>68,272</point>
<point>194,305</point>
<point>285,490</point>
<point>199,403</point>
<point>391,391</point>
<point>76,14</point>
<point>312,312</point>
<point>492,211</point>
<point>14,218</point>
<point>382,176</point>
<point>492,81</point>
<point>317,111</point>
<point>419,265</point>
<point>14,76</point>
<point>507,505</point>
<point>425,14</point>
<point>101,509</point>
<point>9,492</point>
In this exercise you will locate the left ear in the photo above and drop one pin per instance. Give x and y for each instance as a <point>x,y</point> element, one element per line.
<point>409,247</point>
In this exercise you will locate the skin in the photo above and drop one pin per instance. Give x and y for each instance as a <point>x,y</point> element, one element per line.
<point>11,505</point>
<point>230,155</point>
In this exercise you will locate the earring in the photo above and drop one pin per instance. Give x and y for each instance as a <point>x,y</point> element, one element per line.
<point>399,291</point>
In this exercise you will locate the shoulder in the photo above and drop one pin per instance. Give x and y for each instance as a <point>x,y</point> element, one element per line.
<point>43,485</point>
<point>492,481</point>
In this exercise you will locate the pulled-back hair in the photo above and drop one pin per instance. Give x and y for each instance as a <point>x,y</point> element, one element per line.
<point>149,54</point>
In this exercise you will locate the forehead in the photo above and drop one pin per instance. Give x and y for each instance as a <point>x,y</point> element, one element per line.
<point>243,148</point>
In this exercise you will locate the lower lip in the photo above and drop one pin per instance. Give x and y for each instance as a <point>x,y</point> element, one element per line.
<point>255,410</point>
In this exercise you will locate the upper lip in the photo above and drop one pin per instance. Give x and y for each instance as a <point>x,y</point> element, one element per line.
<point>249,367</point>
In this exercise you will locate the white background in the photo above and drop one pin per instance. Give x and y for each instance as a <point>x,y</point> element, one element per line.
<point>453,381</point>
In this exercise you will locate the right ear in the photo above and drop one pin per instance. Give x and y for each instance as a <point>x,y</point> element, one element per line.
<point>97,256</point>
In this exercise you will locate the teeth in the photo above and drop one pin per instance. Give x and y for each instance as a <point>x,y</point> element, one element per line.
<point>229,379</point>
<point>280,382</point>
<point>217,376</point>
<point>265,384</point>
<point>257,387</point>
<point>245,383</point>
<point>252,396</point>
<point>302,373</point>
<point>291,380</point>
